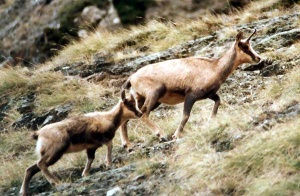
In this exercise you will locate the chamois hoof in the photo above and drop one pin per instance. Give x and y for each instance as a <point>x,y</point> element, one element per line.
<point>23,193</point>
<point>163,139</point>
<point>176,136</point>
<point>85,174</point>
<point>108,164</point>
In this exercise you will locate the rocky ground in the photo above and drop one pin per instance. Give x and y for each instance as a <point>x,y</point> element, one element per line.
<point>111,181</point>
<point>31,31</point>
<point>153,167</point>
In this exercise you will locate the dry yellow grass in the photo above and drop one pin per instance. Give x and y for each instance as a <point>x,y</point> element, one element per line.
<point>158,36</point>
<point>260,163</point>
<point>255,165</point>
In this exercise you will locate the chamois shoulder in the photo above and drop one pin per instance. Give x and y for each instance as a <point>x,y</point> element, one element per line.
<point>93,114</point>
<point>211,60</point>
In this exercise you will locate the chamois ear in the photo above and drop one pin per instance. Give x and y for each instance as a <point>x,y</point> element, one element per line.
<point>239,36</point>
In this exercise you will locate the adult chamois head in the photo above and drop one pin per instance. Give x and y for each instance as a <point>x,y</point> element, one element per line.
<point>185,80</point>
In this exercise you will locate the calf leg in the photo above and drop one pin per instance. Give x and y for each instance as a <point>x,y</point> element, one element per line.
<point>90,158</point>
<point>189,101</point>
<point>52,179</point>
<point>52,155</point>
<point>30,171</point>
<point>217,101</point>
<point>108,154</point>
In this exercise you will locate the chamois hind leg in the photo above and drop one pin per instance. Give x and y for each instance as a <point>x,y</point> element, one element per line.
<point>90,158</point>
<point>51,156</point>
<point>30,171</point>
<point>189,101</point>
<point>217,101</point>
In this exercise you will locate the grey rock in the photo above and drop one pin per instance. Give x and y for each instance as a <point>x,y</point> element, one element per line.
<point>116,191</point>
<point>269,118</point>
<point>26,104</point>
<point>5,105</point>
<point>33,121</point>
<point>92,14</point>
<point>284,33</point>
<point>278,40</point>
<point>139,177</point>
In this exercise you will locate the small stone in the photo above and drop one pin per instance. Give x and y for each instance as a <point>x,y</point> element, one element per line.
<point>92,14</point>
<point>139,177</point>
<point>115,192</point>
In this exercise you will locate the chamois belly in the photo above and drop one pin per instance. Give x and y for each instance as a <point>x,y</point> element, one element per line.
<point>80,147</point>
<point>171,98</point>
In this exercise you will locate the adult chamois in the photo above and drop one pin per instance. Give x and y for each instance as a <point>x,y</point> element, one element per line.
<point>87,132</point>
<point>185,80</point>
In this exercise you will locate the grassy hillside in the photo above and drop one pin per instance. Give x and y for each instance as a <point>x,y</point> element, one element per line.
<point>251,148</point>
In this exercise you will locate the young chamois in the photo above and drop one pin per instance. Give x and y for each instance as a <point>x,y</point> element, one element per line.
<point>185,80</point>
<point>87,132</point>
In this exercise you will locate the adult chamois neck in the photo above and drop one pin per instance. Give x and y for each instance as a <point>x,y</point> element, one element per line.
<point>228,63</point>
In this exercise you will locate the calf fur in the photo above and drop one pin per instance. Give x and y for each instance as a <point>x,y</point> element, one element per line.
<point>87,132</point>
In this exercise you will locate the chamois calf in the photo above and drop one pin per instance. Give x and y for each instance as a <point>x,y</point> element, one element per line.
<point>87,132</point>
<point>185,80</point>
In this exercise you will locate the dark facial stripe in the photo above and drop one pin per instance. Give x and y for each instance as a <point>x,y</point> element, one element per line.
<point>245,48</point>
<point>131,106</point>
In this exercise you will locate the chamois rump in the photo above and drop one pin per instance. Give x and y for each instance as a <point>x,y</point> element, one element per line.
<point>87,132</point>
<point>185,80</point>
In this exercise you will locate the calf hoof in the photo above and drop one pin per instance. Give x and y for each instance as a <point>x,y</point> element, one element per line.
<point>62,186</point>
<point>128,147</point>
<point>157,135</point>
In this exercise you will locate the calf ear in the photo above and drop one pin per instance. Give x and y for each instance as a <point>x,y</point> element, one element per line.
<point>239,36</point>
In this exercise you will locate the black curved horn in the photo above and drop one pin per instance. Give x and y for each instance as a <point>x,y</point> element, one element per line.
<point>123,96</point>
<point>251,35</point>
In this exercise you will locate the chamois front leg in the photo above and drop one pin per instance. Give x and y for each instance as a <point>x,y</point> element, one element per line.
<point>108,154</point>
<point>90,158</point>
<point>158,132</point>
<point>124,136</point>
<point>217,101</point>
<point>189,101</point>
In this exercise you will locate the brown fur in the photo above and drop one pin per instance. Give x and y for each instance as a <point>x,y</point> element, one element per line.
<point>187,80</point>
<point>87,132</point>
